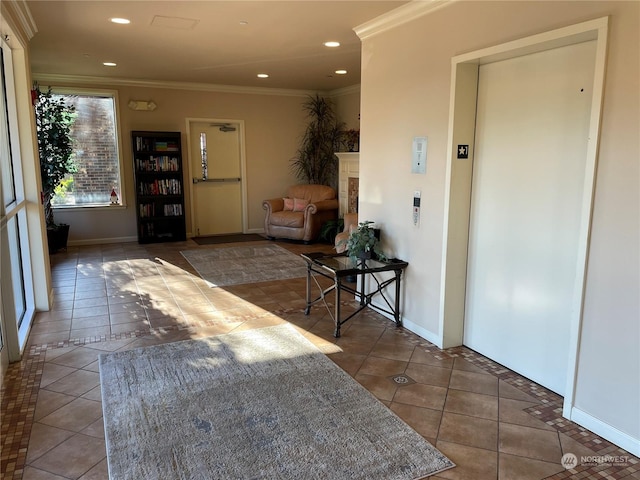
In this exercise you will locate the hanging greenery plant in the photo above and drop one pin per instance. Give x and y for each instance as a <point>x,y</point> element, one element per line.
<point>315,161</point>
<point>54,119</point>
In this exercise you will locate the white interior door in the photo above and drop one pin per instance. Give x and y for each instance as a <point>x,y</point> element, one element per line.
<point>530,154</point>
<point>217,199</point>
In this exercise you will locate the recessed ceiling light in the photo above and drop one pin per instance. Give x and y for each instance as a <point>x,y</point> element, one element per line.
<point>263,75</point>
<point>341,72</point>
<point>109,64</point>
<point>332,44</point>
<point>121,21</point>
<point>244,22</point>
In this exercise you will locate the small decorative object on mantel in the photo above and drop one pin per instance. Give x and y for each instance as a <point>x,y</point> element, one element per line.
<point>114,197</point>
<point>364,243</point>
<point>351,140</point>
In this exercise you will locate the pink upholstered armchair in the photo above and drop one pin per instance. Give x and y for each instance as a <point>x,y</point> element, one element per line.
<point>300,214</point>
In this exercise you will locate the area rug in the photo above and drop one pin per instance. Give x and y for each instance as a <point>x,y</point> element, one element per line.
<point>257,404</point>
<point>217,239</point>
<point>245,264</point>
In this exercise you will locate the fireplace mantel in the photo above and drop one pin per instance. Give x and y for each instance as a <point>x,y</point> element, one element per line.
<point>348,167</point>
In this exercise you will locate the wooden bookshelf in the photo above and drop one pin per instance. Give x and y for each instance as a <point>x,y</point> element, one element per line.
<point>157,163</point>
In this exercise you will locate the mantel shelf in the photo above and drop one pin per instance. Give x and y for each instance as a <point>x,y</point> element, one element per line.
<point>348,155</point>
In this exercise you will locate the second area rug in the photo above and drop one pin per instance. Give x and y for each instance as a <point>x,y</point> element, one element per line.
<point>245,264</point>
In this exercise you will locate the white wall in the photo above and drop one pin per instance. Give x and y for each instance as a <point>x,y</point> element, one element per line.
<point>408,95</point>
<point>347,106</point>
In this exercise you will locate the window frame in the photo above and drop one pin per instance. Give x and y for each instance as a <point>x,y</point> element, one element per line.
<point>99,92</point>
<point>17,273</point>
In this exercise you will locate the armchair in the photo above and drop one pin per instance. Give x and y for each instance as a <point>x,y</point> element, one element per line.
<point>301,213</point>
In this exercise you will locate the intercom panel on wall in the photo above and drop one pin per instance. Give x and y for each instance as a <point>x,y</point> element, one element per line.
<point>419,162</point>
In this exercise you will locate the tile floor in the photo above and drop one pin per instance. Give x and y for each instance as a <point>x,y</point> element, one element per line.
<point>491,422</point>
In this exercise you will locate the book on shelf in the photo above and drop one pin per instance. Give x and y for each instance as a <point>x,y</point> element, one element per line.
<point>157,164</point>
<point>168,146</point>
<point>147,210</point>
<point>166,186</point>
<point>173,210</point>
<point>147,230</point>
<point>144,144</point>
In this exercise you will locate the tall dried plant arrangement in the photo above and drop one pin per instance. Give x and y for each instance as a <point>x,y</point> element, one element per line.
<point>315,161</point>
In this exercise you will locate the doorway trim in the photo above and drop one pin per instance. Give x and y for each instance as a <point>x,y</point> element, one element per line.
<point>243,168</point>
<point>462,116</point>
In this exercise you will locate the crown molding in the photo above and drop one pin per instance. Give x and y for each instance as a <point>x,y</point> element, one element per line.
<point>338,92</point>
<point>20,14</point>
<point>399,16</point>
<point>45,79</point>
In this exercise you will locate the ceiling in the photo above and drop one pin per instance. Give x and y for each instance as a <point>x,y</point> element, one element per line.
<point>206,41</point>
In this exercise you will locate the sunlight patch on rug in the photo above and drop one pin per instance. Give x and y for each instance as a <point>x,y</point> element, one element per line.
<point>221,267</point>
<point>262,403</point>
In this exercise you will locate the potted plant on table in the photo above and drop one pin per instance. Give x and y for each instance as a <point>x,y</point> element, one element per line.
<point>363,243</point>
<point>54,119</point>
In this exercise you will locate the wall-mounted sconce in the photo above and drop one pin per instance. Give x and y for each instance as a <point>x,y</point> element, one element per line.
<point>149,106</point>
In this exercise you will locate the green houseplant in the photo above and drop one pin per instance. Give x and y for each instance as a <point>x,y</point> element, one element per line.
<point>54,119</point>
<point>363,243</point>
<point>351,140</point>
<point>315,160</point>
<point>330,229</point>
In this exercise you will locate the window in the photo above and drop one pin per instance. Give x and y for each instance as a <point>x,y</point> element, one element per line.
<point>96,151</point>
<point>17,304</point>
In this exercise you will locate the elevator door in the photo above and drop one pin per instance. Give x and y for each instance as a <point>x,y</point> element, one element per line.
<point>530,155</point>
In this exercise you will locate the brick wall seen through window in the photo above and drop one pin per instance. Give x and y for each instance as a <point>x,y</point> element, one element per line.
<point>95,153</point>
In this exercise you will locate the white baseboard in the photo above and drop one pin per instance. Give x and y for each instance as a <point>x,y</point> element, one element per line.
<point>409,325</point>
<point>422,332</point>
<point>102,241</point>
<point>609,432</point>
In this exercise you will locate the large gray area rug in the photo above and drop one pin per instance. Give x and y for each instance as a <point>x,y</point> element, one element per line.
<point>257,404</point>
<point>245,264</point>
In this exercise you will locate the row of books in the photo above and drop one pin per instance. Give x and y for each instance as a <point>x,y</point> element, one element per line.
<point>172,210</point>
<point>166,146</point>
<point>167,186</point>
<point>169,210</point>
<point>157,164</point>
<point>144,144</point>
<point>148,230</point>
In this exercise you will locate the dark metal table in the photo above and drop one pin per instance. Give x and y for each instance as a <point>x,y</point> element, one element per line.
<point>339,266</point>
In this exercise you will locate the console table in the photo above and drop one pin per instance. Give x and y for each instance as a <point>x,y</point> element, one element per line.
<point>339,266</point>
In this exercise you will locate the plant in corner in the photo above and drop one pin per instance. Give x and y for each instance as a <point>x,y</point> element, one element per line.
<point>351,140</point>
<point>330,229</point>
<point>363,243</point>
<point>315,160</point>
<point>54,119</point>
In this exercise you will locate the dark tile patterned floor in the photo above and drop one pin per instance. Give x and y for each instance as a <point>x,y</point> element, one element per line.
<point>493,423</point>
